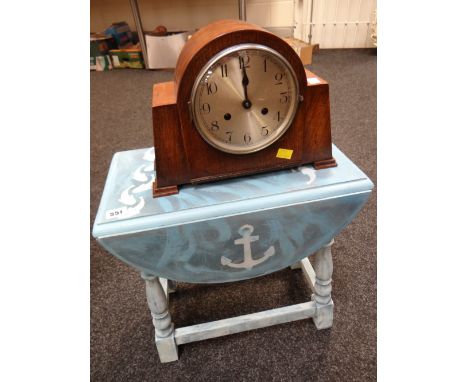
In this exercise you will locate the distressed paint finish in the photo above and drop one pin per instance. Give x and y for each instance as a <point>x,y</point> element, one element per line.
<point>164,328</point>
<point>320,309</point>
<point>323,268</point>
<point>225,231</point>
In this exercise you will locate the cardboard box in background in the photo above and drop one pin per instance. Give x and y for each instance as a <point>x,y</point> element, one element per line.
<point>303,50</point>
<point>121,33</point>
<point>99,52</point>
<point>163,51</point>
<point>101,44</point>
<point>127,58</point>
<point>101,63</point>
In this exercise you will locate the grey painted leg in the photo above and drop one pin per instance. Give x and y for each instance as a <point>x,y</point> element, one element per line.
<point>323,267</point>
<point>164,328</point>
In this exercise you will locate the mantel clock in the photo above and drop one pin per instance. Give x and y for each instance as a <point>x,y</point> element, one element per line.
<point>241,103</point>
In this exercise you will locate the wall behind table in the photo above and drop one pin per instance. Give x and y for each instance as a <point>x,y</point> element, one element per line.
<point>335,23</point>
<point>179,15</point>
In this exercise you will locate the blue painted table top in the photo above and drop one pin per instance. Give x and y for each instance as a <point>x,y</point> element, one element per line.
<point>227,230</point>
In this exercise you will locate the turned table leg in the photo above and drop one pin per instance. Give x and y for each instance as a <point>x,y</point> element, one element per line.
<point>164,328</point>
<point>323,267</point>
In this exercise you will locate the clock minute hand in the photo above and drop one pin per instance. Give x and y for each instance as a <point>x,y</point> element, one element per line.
<point>245,82</point>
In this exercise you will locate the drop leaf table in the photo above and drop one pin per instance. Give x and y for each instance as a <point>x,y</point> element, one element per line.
<point>227,231</point>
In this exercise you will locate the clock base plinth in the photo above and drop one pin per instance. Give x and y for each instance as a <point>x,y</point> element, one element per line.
<point>164,191</point>
<point>326,163</point>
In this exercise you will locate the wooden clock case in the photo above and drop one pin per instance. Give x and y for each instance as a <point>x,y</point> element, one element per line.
<point>183,156</point>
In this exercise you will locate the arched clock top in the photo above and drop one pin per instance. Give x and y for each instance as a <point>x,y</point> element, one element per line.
<point>220,35</point>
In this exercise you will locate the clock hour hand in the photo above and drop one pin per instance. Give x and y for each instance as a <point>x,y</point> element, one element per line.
<point>245,82</point>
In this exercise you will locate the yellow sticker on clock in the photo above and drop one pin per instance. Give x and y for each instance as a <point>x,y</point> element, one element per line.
<point>284,154</point>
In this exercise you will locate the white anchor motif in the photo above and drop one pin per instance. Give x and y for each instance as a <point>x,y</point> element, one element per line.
<point>246,231</point>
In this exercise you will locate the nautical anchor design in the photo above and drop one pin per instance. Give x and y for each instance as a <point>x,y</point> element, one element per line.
<point>246,232</point>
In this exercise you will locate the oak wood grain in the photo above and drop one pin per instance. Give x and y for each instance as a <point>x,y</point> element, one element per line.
<point>182,156</point>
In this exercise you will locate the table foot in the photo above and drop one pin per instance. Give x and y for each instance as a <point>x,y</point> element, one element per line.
<point>323,317</point>
<point>167,348</point>
<point>164,328</point>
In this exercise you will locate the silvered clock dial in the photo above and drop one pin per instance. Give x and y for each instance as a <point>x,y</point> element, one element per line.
<point>244,98</point>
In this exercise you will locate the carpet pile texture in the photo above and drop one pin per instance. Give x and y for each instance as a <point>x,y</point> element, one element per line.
<point>122,334</point>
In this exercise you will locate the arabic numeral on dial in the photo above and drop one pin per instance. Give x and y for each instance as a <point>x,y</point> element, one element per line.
<point>229,135</point>
<point>278,78</point>
<point>264,65</point>
<point>278,116</point>
<point>211,88</point>
<point>205,108</point>
<point>284,97</point>
<point>224,71</point>
<point>247,138</point>
<point>214,126</point>
<point>265,131</point>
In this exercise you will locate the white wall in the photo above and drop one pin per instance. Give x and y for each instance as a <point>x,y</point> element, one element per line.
<point>270,13</point>
<point>336,23</point>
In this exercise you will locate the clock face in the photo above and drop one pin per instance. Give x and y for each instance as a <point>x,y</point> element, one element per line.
<point>244,99</point>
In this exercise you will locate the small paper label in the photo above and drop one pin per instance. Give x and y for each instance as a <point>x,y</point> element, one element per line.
<point>284,154</point>
<point>313,80</point>
<point>125,212</point>
<point>116,213</point>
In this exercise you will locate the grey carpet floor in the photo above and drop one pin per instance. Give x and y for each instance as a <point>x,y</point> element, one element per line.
<point>122,343</point>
